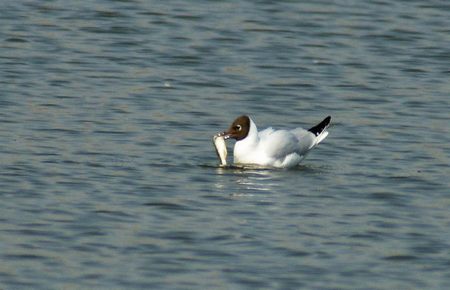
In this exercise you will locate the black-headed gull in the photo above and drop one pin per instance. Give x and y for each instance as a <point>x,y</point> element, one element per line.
<point>275,148</point>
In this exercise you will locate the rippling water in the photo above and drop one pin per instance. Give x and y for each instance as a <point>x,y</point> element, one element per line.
<point>109,179</point>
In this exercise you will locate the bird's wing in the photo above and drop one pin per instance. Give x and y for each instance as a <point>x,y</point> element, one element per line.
<point>278,143</point>
<point>266,132</point>
<point>306,140</point>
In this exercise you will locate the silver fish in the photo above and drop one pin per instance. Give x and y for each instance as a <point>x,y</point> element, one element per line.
<point>221,148</point>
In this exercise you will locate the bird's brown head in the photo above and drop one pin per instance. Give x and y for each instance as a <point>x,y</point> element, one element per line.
<point>239,128</point>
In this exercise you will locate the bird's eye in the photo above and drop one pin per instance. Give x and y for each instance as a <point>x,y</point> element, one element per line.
<point>238,127</point>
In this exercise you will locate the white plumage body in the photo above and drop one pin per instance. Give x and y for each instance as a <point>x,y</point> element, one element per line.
<point>275,148</point>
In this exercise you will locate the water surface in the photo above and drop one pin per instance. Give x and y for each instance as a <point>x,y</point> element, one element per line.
<point>108,174</point>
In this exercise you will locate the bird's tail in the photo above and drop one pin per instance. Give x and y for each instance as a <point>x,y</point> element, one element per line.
<point>320,130</point>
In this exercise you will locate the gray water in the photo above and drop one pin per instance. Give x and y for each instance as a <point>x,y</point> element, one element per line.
<point>108,175</point>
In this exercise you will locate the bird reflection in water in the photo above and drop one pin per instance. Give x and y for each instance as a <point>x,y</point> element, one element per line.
<point>247,181</point>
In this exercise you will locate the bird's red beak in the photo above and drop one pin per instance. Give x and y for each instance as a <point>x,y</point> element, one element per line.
<point>225,135</point>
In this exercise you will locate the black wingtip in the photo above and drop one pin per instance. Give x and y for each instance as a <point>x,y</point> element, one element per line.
<point>316,130</point>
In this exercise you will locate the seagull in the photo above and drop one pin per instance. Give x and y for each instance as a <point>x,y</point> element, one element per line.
<point>273,148</point>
